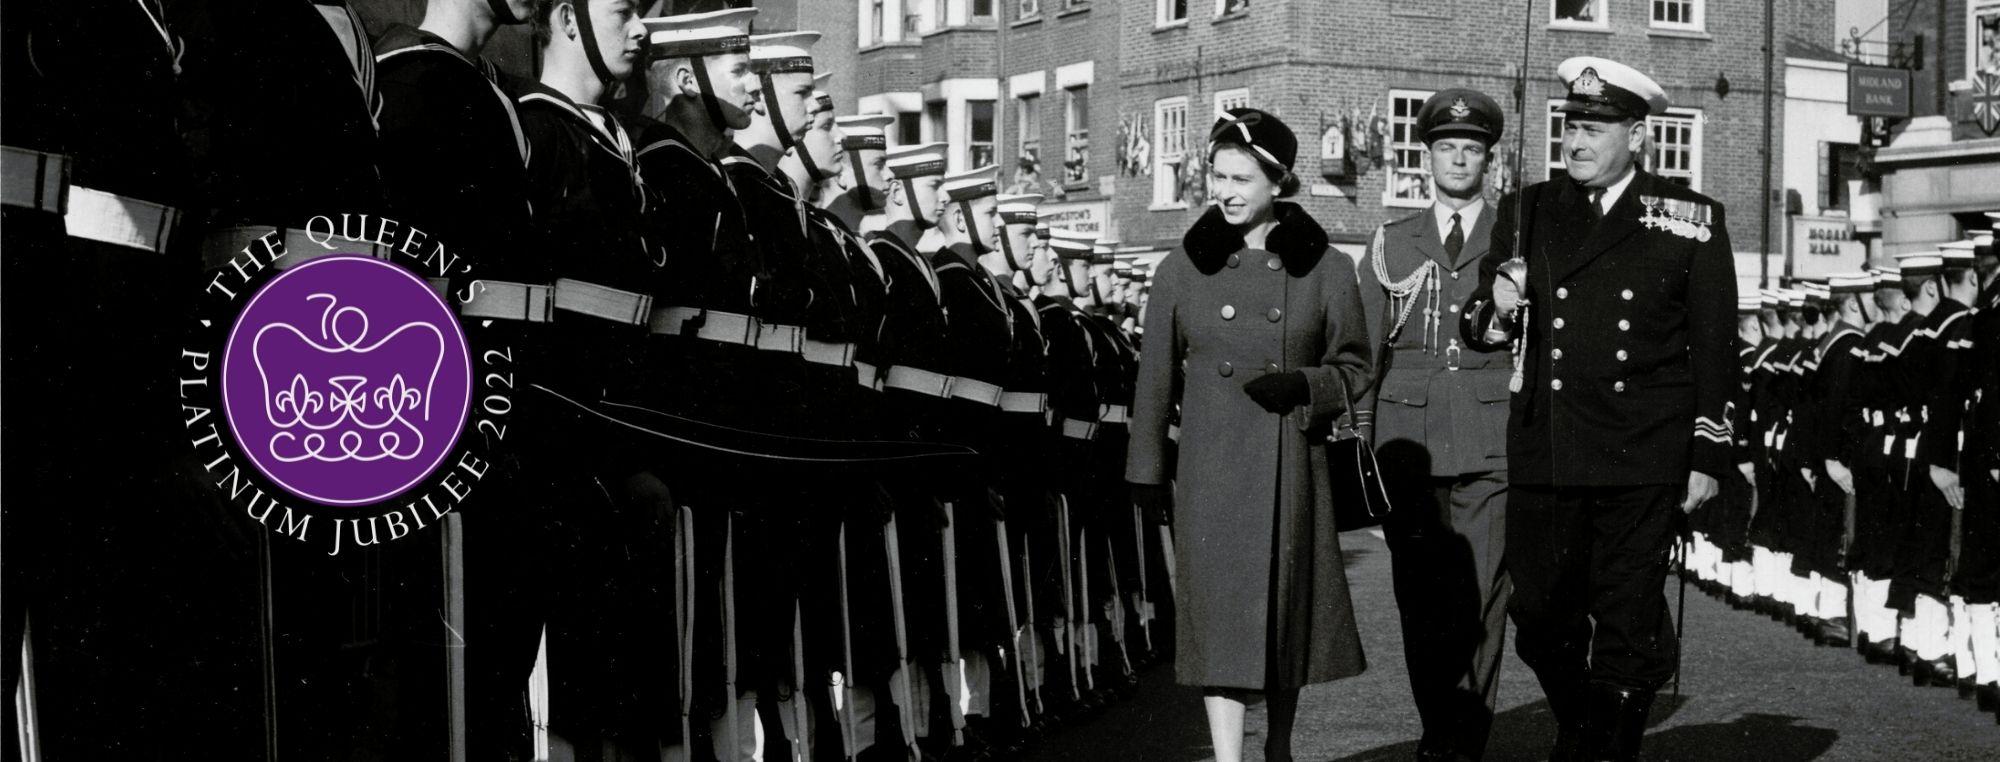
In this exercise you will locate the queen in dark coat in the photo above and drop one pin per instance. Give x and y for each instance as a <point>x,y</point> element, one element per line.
<point>1255,329</point>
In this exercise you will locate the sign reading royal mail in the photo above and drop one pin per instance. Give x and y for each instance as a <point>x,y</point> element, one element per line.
<point>1822,246</point>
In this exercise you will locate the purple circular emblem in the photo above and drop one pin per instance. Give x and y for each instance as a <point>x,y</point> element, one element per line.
<point>346,380</point>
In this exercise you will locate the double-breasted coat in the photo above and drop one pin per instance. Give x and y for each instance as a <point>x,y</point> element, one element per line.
<point>1263,598</point>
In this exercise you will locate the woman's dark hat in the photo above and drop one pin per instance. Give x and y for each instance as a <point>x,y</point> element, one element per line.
<point>1262,134</point>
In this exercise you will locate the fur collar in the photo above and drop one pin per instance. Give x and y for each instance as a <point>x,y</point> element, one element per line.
<point>1298,240</point>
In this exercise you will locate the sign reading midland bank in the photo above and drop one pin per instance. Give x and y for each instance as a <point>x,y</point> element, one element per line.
<point>1878,91</point>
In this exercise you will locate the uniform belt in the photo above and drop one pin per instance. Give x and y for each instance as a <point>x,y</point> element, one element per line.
<point>1117,414</point>
<point>506,300</point>
<point>827,353</point>
<point>616,305</point>
<point>1024,402</point>
<point>867,375</point>
<point>918,380</point>
<point>1078,429</point>
<point>117,220</point>
<point>715,325</point>
<point>776,337</point>
<point>33,179</point>
<point>221,246</point>
<point>975,390</point>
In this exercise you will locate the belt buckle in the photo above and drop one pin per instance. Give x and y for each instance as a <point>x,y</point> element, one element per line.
<point>1452,354</point>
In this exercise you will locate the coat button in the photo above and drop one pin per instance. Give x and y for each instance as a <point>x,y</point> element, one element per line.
<point>1274,263</point>
<point>1559,322</point>
<point>1556,385</point>
<point>1562,293</point>
<point>1271,367</point>
<point>1235,260</point>
<point>1454,275</point>
<point>1229,312</point>
<point>1555,354</point>
<point>1626,294</point>
<point>1225,370</point>
<point>1451,308</point>
<point>1622,355</point>
<point>1624,325</point>
<point>1618,387</point>
<point>1274,314</point>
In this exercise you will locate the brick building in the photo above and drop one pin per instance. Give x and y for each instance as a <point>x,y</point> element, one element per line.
<point>1110,100</point>
<point>1941,169</point>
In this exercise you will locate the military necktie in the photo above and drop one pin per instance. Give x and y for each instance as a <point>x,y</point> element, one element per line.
<point>1596,204</point>
<point>1455,241</point>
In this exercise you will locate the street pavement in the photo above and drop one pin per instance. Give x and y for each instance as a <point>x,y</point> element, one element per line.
<point>1751,689</point>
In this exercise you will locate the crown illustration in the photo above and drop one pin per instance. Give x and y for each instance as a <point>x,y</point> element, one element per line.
<point>347,395</point>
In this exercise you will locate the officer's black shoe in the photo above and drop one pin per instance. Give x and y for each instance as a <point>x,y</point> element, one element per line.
<point>1835,631</point>
<point>1571,720</point>
<point>1920,671</point>
<point>1987,697</point>
<point>1617,722</point>
<point>1966,687</point>
<point>1906,661</point>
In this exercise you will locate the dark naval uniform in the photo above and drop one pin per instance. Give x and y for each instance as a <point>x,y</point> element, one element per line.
<point>563,553</point>
<point>1440,415</point>
<point>1628,368</point>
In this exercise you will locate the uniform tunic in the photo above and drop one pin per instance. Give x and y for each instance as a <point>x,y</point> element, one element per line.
<point>1263,596</point>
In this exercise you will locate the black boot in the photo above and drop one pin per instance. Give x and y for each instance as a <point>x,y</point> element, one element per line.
<point>1568,705</point>
<point>1617,722</point>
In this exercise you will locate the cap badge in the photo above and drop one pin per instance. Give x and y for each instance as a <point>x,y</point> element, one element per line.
<point>1587,84</point>
<point>1459,110</point>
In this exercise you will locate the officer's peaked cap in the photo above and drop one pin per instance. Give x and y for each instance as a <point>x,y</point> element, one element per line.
<point>1461,113</point>
<point>1606,88</point>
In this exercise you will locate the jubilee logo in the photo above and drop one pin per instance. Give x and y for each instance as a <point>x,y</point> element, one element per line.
<point>331,390</point>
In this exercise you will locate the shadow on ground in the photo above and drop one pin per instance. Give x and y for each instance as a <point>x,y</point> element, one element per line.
<point>1525,732</point>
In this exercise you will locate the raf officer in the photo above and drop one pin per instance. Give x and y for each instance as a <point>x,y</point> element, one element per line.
<point>1441,432</point>
<point>1626,295</point>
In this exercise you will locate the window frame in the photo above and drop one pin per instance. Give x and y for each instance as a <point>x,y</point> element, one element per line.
<point>1415,146</point>
<point>1027,9</point>
<point>1973,10</point>
<point>1025,123</point>
<point>1602,22</point>
<point>1694,117</point>
<point>1166,184</point>
<point>1071,129</point>
<point>1223,97</point>
<point>1222,8</point>
<point>972,142</point>
<point>1160,10</point>
<point>1697,10</point>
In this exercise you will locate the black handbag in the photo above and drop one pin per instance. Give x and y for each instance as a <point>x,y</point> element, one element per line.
<point>1360,500</point>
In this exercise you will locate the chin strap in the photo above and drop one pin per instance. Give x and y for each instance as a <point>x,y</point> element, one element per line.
<point>1007,249</point>
<point>860,180</point>
<point>784,131</point>
<point>708,100</point>
<point>972,230</point>
<point>503,14</point>
<point>581,10</point>
<point>910,198</point>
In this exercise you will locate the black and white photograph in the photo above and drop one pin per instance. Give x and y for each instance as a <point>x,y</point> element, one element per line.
<point>795,381</point>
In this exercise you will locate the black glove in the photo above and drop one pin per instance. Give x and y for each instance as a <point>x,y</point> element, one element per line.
<point>1155,501</point>
<point>1279,392</point>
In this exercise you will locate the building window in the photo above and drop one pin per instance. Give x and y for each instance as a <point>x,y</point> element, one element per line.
<point>1982,30</point>
<point>1028,9</point>
<point>1676,146</point>
<point>1674,140</point>
<point>877,26</point>
<point>1233,99</point>
<point>1583,13</point>
<point>1169,153</point>
<point>1028,128</point>
<point>1838,163</point>
<point>1678,14</point>
<point>982,9</point>
<point>1169,12</point>
<point>979,134</point>
<point>1227,7</point>
<point>913,19</point>
<point>1076,135</point>
<point>1409,179</point>
<point>909,128</point>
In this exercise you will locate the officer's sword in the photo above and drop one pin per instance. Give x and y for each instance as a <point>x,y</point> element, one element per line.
<point>1143,602</point>
<point>844,692</point>
<point>1013,618</point>
<point>954,660</point>
<point>1066,640</point>
<point>892,547</point>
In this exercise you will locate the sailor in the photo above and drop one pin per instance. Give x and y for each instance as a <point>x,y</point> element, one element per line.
<point>1063,275</point>
<point>862,190</point>
<point>1834,408</point>
<point>1942,287</point>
